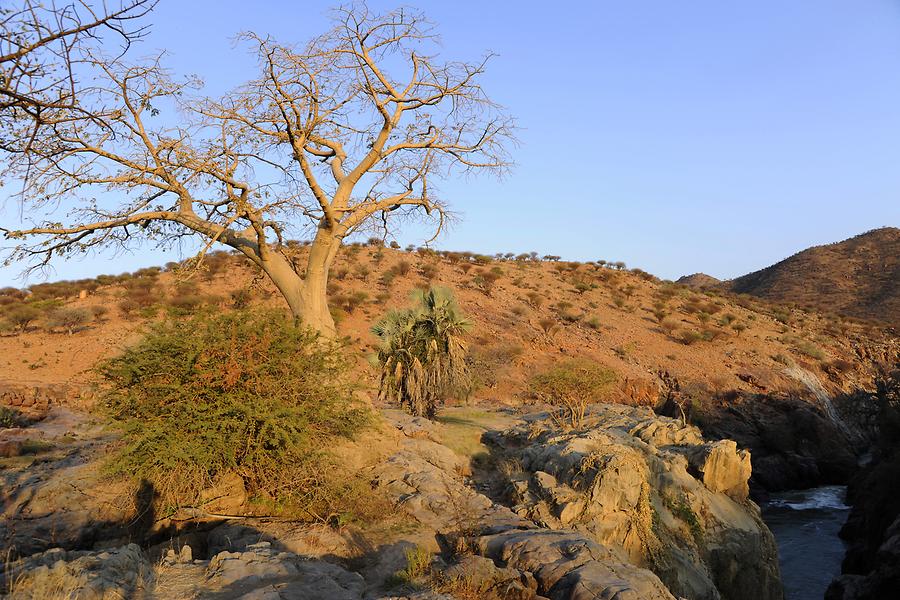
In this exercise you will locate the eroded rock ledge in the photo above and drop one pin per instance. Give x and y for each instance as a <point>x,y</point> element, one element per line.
<point>629,507</point>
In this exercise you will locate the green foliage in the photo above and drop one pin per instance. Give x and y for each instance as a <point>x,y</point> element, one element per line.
<point>244,392</point>
<point>10,417</point>
<point>594,323</point>
<point>572,385</point>
<point>804,347</point>
<point>683,511</point>
<point>422,354</point>
<point>418,566</point>
<point>782,315</point>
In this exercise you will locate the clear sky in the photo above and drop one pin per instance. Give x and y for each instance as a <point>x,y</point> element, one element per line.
<point>678,137</point>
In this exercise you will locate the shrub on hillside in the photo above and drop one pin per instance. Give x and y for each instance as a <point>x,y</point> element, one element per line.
<point>21,316</point>
<point>99,312</point>
<point>669,326</point>
<point>422,354</point>
<point>548,326</point>
<point>402,268</point>
<point>244,392</point>
<point>11,295</point>
<point>689,337</point>
<point>68,319</point>
<point>535,299</point>
<point>185,304</point>
<point>594,323</point>
<point>428,271</point>
<point>571,386</point>
<point>485,280</point>
<point>241,298</point>
<point>351,301</point>
<point>362,272</point>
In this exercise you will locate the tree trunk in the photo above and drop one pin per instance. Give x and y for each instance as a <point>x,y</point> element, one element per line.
<point>307,295</point>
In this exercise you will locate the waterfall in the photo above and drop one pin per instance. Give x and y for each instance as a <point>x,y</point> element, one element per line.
<point>812,383</point>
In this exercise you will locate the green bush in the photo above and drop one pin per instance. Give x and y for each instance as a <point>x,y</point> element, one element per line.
<point>572,385</point>
<point>245,392</point>
<point>10,417</point>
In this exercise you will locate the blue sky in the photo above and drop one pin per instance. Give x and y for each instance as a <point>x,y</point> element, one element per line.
<point>676,136</point>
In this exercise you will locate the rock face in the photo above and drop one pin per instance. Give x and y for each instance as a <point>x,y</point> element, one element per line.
<point>424,477</point>
<point>792,442</point>
<point>653,493</point>
<point>631,507</point>
<point>871,567</point>
<point>722,468</point>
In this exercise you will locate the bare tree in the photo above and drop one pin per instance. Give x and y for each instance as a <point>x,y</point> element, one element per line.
<point>42,45</point>
<point>347,132</point>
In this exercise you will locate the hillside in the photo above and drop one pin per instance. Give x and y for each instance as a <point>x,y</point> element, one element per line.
<point>699,281</point>
<point>779,393</point>
<point>858,277</point>
<point>527,314</point>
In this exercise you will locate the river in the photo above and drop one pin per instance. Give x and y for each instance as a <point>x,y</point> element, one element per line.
<point>806,525</point>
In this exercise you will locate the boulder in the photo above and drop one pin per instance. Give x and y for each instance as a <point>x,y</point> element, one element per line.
<point>723,468</point>
<point>654,492</point>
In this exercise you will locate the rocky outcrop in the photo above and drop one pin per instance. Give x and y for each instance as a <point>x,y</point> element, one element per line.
<point>871,567</point>
<point>879,576</point>
<point>563,564</point>
<point>59,499</point>
<point>793,443</point>
<point>634,507</point>
<point>37,398</point>
<point>652,492</point>
<point>84,575</point>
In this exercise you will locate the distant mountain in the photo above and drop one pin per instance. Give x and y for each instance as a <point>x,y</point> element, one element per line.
<point>858,277</point>
<point>700,281</point>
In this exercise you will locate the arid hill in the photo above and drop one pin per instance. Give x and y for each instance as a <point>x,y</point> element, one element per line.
<point>859,277</point>
<point>699,281</point>
<point>527,314</point>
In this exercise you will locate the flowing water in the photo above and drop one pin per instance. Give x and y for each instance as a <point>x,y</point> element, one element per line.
<point>806,525</point>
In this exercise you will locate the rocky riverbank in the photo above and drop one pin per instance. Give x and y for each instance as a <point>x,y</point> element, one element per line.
<point>871,568</point>
<point>631,505</point>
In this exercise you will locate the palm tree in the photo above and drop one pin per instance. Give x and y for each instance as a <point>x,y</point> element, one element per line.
<point>423,354</point>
